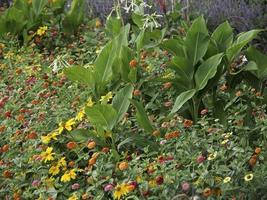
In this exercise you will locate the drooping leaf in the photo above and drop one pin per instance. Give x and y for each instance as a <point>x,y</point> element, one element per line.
<point>142,117</point>
<point>207,70</point>
<point>182,99</point>
<point>174,46</point>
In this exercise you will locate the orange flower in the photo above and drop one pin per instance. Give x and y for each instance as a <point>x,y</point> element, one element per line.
<point>123,166</point>
<point>32,135</point>
<point>172,135</point>
<point>207,192</point>
<point>258,150</point>
<point>71,145</point>
<point>5,148</point>
<point>91,145</point>
<point>133,63</point>
<point>92,161</point>
<point>136,92</point>
<point>167,85</point>
<point>188,123</point>
<point>7,174</point>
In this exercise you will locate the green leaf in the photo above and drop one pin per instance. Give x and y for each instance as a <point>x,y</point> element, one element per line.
<point>142,117</point>
<point>38,6</point>
<point>81,74</point>
<point>103,116</point>
<point>198,26</point>
<point>182,99</point>
<point>113,26</point>
<point>83,135</point>
<point>223,36</point>
<point>196,46</point>
<point>121,101</point>
<point>242,40</point>
<point>107,57</point>
<point>261,61</point>
<point>174,46</point>
<point>207,70</point>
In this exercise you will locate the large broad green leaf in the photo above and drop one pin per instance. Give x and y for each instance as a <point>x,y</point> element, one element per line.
<point>261,61</point>
<point>174,46</point>
<point>105,60</point>
<point>15,20</point>
<point>223,36</point>
<point>182,99</point>
<point>102,116</point>
<point>198,26</point>
<point>207,70</point>
<point>221,39</point>
<point>38,6</point>
<point>121,101</point>
<point>242,40</point>
<point>196,46</point>
<point>81,74</point>
<point>184,66</point>
<point>142,117</point>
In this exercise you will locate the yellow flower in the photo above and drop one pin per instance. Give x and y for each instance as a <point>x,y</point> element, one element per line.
<point>72,174</point>
<point>139,179</point>
<point>69,124</point>
<point>67,176</point>
<point>227,135</point>
<point>45,139</point>
<point>48,155</point>
<point>62,162</point>
<point>106,98</point>
<point>73,197</point>
<point>212,156</point>
<point>152,183</point>
<point>121,190</point>
<point>227,179</point>
<point>41,31</point>
<point>248,177</point>
<point>90,102</point>
<point>60,128</point>
<point>80,115</point>
<point>54,170</point>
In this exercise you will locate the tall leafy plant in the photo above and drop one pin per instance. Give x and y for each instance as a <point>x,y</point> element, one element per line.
<point>200,60</point>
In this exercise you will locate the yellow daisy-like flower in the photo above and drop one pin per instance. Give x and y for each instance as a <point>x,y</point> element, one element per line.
<point>120,191</point>
<point>45,139</point>
<point>227,179</point>
<point>60,128</point>
<point>62,162</point>
<point>90,102</point>
<point>54,170</point>
<point>248,177</point>
<point>106,98</point>
<point>67,176</point>
<point>41,31</point>
<point>69,124</point>
<point>72,174</point>
<point>73,197</point>
<point>80,115</point>
<point>47,155</point>
<point>212,156</point>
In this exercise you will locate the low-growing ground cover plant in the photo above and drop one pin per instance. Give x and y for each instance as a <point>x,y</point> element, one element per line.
<point>130,112</point>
